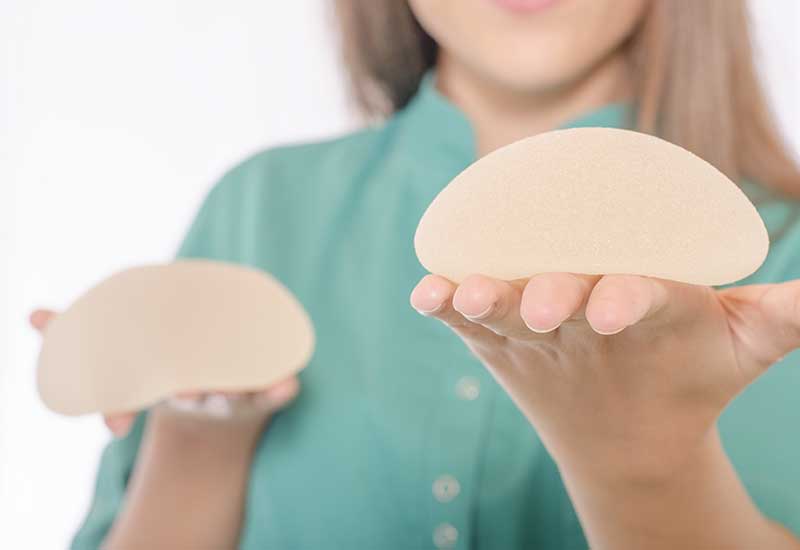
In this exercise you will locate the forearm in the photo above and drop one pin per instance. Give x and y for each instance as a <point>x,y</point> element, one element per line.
<point>189,484</point>
<point>704,505</point>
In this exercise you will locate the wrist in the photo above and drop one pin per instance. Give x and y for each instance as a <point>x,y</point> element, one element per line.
<point>657,461</point>
<point>184,431</point>
<point>699,502</point>
<point>184,458</point>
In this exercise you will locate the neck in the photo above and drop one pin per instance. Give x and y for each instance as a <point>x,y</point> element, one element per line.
<point>500,115</point>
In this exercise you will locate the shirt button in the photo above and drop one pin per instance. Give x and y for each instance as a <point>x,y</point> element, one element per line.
<point>445,536</point>
<point>468,388</point>
<point>446,488</point>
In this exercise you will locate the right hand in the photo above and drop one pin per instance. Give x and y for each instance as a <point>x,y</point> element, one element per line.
<point>259,405</point>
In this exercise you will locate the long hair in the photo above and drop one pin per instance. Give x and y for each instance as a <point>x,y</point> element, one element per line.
<point>695,81</point>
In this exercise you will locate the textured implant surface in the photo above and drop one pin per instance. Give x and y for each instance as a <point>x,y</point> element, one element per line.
<point>149,332</point>
<point>595,201</point>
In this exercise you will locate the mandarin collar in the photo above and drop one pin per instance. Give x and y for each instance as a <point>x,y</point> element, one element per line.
<point>434,129</point>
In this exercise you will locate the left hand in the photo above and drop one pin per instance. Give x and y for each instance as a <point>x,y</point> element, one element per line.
<point>248,411</point>
<point>622,375</point>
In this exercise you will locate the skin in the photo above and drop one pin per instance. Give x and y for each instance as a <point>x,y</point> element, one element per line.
<point>183,458</point>
<point>622,376</point>
<point>517,74</point>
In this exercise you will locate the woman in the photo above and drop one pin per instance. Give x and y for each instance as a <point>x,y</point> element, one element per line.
<point>556,412</point>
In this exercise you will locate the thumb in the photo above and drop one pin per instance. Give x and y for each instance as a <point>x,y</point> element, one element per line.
<point>765,319</point>
<point>119,424</point>
<point>39,318</point>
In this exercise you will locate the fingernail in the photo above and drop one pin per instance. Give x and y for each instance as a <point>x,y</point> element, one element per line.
<point>480,316</point>
<point>186,404</point>
<point>538,330</point>
<point>217,405</point>
<point>611,333</point>
<point>429,311</point>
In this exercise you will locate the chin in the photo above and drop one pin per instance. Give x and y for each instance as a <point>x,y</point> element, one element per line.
<point>529,45</point>
<point>528,71</point>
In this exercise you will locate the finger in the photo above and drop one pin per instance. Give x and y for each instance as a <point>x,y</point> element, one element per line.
<point>40,317</point>
<point>433,297</point>
<point>189,395</point>
<point>220,404</point>
<point>493,304</point>
<point>765,320</point>
<point>431,294</point>
<point>781,306</point>
<point>550,299</point>
<point>281,394</point>
<point>233,395</point>
<point>619,301</point>
<point>119,424</point>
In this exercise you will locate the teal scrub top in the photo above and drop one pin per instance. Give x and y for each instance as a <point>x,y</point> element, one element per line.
<point>400,439</point>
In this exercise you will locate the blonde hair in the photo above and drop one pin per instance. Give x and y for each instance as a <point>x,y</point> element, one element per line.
<point>695,79</point>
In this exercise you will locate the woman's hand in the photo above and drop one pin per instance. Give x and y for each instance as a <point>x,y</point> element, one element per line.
<point>623,376</point>
<point>191,474</point>
<point>254,407</point>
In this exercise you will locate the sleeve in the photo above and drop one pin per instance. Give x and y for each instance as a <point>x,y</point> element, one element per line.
<point>777,490</point>
<point>787,511</point>
<point>210,235</point>
<point>116,465</point>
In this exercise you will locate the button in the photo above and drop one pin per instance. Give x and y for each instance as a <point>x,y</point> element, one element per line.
<point>445,536</point>
<point>468,388</point>
<point>446,488</point>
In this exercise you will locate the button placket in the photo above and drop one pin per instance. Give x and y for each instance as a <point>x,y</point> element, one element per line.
<point>455,454</point>
<point>468,388</point>
<point>446,488</point>
<point>445,536</point>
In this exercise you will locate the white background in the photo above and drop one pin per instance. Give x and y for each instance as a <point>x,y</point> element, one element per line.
<point>117,117</point>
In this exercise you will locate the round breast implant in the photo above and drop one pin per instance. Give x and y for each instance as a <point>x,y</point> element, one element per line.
<point>149,332</point>
<point>593,201</point>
